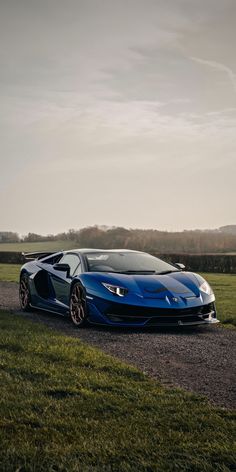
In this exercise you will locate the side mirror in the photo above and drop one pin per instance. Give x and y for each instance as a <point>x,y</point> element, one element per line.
<point>180,266</point>
<point>62,268</point>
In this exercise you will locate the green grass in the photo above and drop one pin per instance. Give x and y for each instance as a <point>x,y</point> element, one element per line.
<point>69,407</point>
<point>224,287</point>
<point>40,246</point>
<point>9,272</point>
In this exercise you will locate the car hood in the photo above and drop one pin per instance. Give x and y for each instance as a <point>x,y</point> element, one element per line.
<point>184,284</point>
<point>158,286</point>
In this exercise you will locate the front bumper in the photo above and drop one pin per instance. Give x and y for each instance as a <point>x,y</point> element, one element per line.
<point>129,315</point>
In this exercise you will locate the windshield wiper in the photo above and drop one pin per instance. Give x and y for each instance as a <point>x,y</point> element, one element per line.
<point>165,272</point>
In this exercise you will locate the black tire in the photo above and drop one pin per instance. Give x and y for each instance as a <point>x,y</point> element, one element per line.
<point>24,293</point>
<point>78,307</point>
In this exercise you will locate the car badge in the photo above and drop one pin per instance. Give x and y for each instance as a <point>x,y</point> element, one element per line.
<point>175,299</point>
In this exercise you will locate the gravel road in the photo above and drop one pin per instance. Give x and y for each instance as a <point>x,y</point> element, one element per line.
<point>201,360</point>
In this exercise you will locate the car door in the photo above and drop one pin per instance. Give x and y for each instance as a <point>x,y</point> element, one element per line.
<point>61,281</point>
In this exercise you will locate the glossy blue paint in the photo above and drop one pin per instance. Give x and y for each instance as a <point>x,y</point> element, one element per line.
<point>152,299</point>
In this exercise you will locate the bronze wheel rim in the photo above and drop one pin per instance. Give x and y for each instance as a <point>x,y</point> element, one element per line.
<point>77,311</point>
<point>24,293</point>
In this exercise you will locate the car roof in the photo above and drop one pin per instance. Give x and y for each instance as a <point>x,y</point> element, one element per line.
<point>92,250</point>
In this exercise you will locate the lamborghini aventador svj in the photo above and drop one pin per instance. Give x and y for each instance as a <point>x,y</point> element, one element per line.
<point>116,288</point>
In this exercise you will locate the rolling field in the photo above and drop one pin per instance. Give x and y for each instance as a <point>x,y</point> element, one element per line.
<point>55,246</point>
<point>9,272</point>
<point>40,246</point>
<point>66,406</point>
<point>224,286</point>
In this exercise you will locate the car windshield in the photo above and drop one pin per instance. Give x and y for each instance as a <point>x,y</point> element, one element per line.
<point>127,262</point>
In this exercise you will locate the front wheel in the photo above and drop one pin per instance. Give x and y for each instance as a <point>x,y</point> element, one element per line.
<point>78,309</point>
<point>24,293</point>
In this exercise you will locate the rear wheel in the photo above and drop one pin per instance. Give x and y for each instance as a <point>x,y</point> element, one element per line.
<point>78,309</point>
<point>24,293</point>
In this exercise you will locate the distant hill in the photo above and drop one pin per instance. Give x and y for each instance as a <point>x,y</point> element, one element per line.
<point>229,229</point>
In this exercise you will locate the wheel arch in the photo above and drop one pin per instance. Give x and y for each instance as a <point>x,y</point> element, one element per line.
<point>77,281</point>
<point>24,271</point>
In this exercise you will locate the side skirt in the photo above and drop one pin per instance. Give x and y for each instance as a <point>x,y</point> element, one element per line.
<point>49,311</point>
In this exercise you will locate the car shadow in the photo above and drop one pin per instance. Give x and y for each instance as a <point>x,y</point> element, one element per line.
<point>178,330</point>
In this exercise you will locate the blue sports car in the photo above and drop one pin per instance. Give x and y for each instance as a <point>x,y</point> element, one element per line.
<point>115,288</point>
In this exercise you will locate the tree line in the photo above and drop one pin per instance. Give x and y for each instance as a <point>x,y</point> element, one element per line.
<point>194,242</point>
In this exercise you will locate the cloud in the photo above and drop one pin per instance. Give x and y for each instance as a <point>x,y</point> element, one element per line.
<point>217,65</point>
<point>112,100</point>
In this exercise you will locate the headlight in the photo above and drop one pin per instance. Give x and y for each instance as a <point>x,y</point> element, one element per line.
<point>116,290</point>
<point>205,287</point>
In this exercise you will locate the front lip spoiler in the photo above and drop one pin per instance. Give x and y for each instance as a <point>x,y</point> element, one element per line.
<point>188,323</point>
<point>161,325</point>
<point>206,319</point>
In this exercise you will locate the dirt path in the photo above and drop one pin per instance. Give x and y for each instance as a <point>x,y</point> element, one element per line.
<point>201,360</point>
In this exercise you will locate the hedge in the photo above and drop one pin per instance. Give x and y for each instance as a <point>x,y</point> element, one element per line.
<point>218,263</point>
<point>11,257</point>
<point>221,263</point>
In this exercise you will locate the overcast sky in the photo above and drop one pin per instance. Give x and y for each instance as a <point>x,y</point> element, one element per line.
<point>117,112</point>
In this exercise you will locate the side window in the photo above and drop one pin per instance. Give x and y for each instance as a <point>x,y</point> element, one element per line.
<point>52,260</point>
<point>78,270</point>
<point>72,260</point>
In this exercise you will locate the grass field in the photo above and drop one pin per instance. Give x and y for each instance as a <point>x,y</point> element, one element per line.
<point>40,246</point>
<point>224,287</point>
<point>9,272</point>
<point>52,246</point>
<point>68,407</point>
